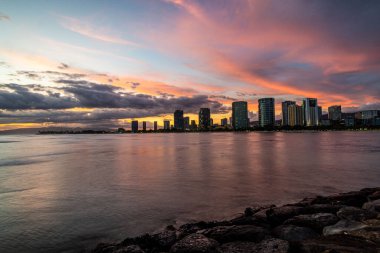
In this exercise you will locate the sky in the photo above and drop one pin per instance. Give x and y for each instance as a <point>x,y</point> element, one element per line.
<point>100,64</point>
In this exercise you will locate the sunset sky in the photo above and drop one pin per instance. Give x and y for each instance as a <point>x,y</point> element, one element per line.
<point>103,63</point>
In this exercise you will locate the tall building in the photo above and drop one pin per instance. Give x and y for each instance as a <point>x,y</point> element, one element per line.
<point>166,124</point>
<point>240,115</point>
<point>224,122</point>
<point>266,112</point>
<point>135,126</point>
<point>311,112</point>
<point>319,114</point>
<point>204,118</point>
<point>295,115</point>
<point>186,123</point>
<point>335,113</point>
<point>144,126</point>
<point>193,125</point>
<point>178,120</point>
<point>155,127</point>
<point>285,106</point>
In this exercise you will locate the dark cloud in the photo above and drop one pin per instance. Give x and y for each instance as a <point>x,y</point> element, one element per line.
<point>4,17</point>
<point>223,97</point>
<point>63,66</point>
<point>133,85</point>
<point>50,74</point>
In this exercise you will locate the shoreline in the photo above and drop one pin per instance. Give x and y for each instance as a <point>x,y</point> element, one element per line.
<point>344,222</point>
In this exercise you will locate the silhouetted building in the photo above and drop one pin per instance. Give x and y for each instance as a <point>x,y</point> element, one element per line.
<point>178,119</point>
<point>335,113</point>
<point>285,106</point>
<point>349,119</point>
<point>224,122</point>
<point>193,125</point>
<point>211,121</point>
<point>204,118</point>
<point>166,124</point>
<point>266,112</point>
<point>155,127</point>
<point>186,123</point>
<point>135,126</point>
<point>295,115</point>
<point>319,114</point>
<point>367,118</point>
<point>240,115</point>
<point>311,112</point>
<point>144,126</point>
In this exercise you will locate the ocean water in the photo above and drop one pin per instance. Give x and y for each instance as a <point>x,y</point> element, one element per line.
<point>66,193</point>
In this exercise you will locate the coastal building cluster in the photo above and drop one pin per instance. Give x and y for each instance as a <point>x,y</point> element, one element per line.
<point>306,115</point>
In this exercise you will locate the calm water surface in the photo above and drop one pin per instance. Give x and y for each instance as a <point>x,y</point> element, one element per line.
<point>65,193</point>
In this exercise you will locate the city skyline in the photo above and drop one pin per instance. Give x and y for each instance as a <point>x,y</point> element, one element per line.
<point>104,64</point>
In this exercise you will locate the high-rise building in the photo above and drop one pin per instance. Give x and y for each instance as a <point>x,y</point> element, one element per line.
<point>319,114</point>
<point>285,106</point>
<point>295,115</point>
<point>311,112</point>
<point>266,112</point>
<point>240,115</point>
<point>155,127</point>
<point>335,113</point>
<point>193,125</point>
<point>204,118</point>
<point>166,124</point>
<point>178,120</point>
<point>135,126</point>
<point>186,123</point>
<point>224,122</point>
<point>144,126</point>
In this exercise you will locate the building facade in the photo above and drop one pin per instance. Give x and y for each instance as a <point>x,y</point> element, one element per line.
<point>178,120</point>
<point>134,126</point>
<point>186,123</point>
<point>295,115</point>
<point>311,112</point>
<point>335,113</point>
<point>266,112</point>
<point>204,118</point>
<point>284,106</point>
<point>240,115</point>
<point>155,127</point>
<point>224,122</point>
<point>166,124</point>
<point>144,126</point>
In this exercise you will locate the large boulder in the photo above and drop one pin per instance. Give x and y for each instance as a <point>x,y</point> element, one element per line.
<point>336,243</point>
<point>191,228</point>
<point>374,196</point>
<point>322,208</point>
<point>225,234</point>
<point>166,238</point>
<point>278,215</point>
<point>315,221</point>
<point>373,206</point>
<point>343,226</point>
<point>195,243</point>
<point>356,198</point>
<point>129,249</point>
<point>294,233</point>
<point>271,245</point>
<point>354,213</point>
<point>237,247</point>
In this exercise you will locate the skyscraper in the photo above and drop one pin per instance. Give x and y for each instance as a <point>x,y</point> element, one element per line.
<point>204,118</point>
<point>285,106</point>
<point>155,126</point>
<point>178,120</point>
<point>266,112</point>
<point>144,126</point>
<point>186,123</point>
<point>295,115</point>
<point>335,113</point>
<point>311,113</point>
<point>224,122</point>
<point>166,124</point>
<point>135,126</point>
<point>240,115</point>
<point>193,125</point>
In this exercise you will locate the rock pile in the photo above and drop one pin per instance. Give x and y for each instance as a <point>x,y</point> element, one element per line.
<point>347,222</point>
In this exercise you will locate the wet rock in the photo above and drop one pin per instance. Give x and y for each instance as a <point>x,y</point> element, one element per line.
<point>166,238</point>
<point>195,243</point>
<point>104,248</point>
<point>356,198</point>
<point>374,196</point>
<point>322,208</point>
<point>129,249</point>
<point>272,245</point>
<point>278,215</point>
<point>354,213</point>
<point>294,233</point>
<point>373,206</point>
<point>343,226</point>
<point>315,221</point>
<point>237,247</point>
<point>336,243</point>
<point>225,234</point>
<point>191,228</point>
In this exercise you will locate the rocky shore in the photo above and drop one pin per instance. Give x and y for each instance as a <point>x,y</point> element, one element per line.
<point>347,222</point>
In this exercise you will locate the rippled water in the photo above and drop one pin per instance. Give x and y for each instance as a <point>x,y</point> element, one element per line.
<point>69,192</point>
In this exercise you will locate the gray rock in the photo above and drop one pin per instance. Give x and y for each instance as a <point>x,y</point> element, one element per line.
<point>356,198</point>
<point>278,215</point>
<point>272,245</point>
<point>294,233</point>
<point>354,213</point>
<point>375,195</point>
<point>166,238</point>
<point>323,208</point>
<point>195,243</point>
<point>225,234</point>
<point>373,206</point>
<point>315,221</point>
<point>129,249</point>
<point>237,247</point>
<point>343,226</point>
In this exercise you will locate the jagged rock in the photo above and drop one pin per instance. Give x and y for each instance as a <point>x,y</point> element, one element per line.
<point>336,243</point>
<point>315,221</point>
<point>354,213</point>
<point>343,226</point>
<point>237,247</point>
<point>104,248</point>
<point>374,196</point>
<point>278,215</point>
<point>166,238</point>
<point>195,243</point>
<point>129,249</point>
<point>356,198</point>
<point>272,245</point>
<point>322,208</point>
<point>225,234</point>
<point>294,233</point>
<point>373,206</point>
<point>191,228</point>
